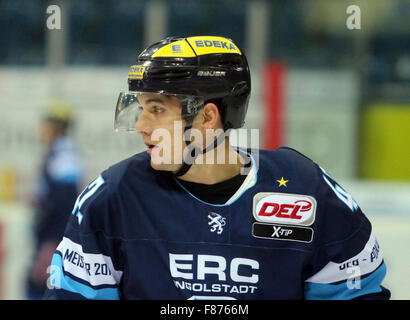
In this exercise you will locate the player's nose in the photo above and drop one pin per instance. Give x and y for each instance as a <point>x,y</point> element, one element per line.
<point>143,125</point>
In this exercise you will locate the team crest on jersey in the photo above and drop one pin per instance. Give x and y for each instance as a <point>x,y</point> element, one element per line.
<point>216,222</point>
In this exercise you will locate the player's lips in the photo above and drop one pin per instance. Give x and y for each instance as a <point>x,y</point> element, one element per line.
<point>150,147</point>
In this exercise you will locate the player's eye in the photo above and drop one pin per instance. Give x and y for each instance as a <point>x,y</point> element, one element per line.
<point>157,109</point>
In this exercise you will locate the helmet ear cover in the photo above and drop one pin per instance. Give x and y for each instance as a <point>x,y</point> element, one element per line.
<point>231,108</point>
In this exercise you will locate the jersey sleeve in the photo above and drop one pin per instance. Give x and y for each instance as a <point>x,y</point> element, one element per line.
<point>87,263</point>
<point>348,262</point>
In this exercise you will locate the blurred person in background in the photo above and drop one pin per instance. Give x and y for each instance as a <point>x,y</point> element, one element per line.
<point>56,191</point>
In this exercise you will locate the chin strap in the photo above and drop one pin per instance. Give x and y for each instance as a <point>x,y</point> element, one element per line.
<point>194,151</point>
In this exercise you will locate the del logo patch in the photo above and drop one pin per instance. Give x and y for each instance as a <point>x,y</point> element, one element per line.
<point>283,216</point>
<point>284,208</point>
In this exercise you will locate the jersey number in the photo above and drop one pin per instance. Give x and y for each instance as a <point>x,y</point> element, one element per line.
<point>87,193</point>
<point>340,193</point>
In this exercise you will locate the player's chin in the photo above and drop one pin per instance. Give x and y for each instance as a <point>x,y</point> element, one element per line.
<point>161,166</point>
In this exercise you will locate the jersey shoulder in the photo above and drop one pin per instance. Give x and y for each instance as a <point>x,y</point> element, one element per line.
<point>291,157</point>
<point>337,214</point>
<point>293,165</point>
<point>99,205</point>
<point>138,165</point>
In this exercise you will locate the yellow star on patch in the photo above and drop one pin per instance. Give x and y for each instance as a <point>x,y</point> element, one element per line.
<point>282,182</point>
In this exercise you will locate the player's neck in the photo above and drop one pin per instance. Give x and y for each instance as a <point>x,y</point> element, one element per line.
<point>202,171</point>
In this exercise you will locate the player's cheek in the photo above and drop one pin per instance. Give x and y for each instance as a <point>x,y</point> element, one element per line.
<point>165,151</point>
<point>176,148</point>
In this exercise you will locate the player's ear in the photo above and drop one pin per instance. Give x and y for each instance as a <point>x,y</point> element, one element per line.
<point>210,116</point>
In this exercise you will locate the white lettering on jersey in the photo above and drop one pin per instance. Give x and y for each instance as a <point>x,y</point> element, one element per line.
<point>345,197</point>
<point>219,269</point>
<point>96,269</point>
<point>181,267</point>
<point>367,261</point>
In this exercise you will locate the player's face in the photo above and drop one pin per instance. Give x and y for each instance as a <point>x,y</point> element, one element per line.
<point>49,131</point>
<point>157,123</point>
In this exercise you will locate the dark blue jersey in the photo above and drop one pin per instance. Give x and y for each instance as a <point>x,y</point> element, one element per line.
<point>58,187</point>
<point>290,232</point>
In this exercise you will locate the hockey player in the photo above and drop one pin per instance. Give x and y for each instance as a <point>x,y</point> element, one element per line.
<point>59,183</point>
<point>165,224</point>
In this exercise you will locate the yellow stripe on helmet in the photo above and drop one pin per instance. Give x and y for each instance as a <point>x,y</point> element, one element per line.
<point>177,49</point>
<point>212,44</point>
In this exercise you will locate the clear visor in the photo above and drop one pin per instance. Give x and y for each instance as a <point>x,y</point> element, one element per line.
<point>157,107</point>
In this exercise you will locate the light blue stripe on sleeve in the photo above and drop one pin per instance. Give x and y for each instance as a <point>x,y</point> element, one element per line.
<point>341,291</point>
<point>60,281</point>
